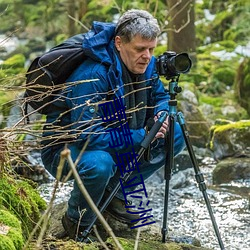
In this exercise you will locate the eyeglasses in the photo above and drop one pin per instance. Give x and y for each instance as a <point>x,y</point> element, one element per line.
<point>124,24</point>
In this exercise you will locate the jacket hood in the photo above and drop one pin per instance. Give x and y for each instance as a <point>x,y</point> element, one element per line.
<point>98,43</point>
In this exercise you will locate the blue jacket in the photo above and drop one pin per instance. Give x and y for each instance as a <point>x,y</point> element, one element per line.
<point>103,69</point>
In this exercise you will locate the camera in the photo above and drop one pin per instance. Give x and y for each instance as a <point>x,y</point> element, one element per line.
<point>171,65</point>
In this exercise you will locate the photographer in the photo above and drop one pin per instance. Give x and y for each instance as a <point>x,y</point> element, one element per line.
<point>121,67</point>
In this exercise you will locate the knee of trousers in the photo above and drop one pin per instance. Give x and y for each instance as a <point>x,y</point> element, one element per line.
<point>98,165</point>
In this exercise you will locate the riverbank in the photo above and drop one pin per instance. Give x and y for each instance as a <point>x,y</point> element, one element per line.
<point>188,215</point>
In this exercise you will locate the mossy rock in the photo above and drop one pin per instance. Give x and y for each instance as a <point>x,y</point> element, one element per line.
<point>21,199</point>
<point>242,85</point>
<point>232,139</point>
<point>224,75</point>
<point>128,244</point>
<point>219,107</point>
<point>11,237</point>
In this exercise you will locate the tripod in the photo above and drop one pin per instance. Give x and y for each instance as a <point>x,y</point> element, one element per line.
<point>173,90</point>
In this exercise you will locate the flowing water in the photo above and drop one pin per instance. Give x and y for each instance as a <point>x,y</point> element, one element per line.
<point>187,212</point>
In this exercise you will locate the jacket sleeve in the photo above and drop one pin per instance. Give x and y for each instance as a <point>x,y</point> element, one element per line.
<point>86,116</point>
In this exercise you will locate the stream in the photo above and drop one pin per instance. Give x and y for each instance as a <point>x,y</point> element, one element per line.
<point>187,212</point>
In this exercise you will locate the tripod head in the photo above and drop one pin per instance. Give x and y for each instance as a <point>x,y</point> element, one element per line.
<point>174,89</point>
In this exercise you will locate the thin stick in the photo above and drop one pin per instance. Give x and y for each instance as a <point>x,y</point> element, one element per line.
<point>66,154</point>
<point>99,238</point>
<point>137,238</point>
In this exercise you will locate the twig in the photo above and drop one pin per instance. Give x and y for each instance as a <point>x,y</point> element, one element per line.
<point>137,238</point>
<point>99,238</point>
<point>66,154</point>
<point>77,21</point>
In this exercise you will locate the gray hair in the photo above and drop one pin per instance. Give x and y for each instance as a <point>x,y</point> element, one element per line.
<point>137,22</point>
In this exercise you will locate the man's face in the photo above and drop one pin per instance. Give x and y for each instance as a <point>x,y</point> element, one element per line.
<point>137,53</point>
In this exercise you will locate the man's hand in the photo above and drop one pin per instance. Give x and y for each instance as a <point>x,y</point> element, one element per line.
<point>163,129</point>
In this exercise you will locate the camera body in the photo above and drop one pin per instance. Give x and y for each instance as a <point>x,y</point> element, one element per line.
<point>171,65</point>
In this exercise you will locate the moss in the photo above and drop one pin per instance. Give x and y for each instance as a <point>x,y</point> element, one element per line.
<point>235,125</point>
<point>214,101</point>
<point>225,75</point>
<point>9,219</point>
<point>220,131</point>
<point>21,199</point>
<point>128,244</point>
<point>6,243</point>
<point>13,239</point>
<point>16,237</point>
<point>16,61</point>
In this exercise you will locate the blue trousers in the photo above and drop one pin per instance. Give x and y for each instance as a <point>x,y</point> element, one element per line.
<point>99,171</point>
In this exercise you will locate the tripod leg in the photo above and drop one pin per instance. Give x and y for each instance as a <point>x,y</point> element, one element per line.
<point>168,173</point>
<point>199,176</point>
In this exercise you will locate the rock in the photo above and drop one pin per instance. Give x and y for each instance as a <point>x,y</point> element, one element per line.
<point>197,125</point>
<point>181,179</point>
<point>149,238</point>
<point>232,139</point>
<point>242,84</point>
<point>231,169</point>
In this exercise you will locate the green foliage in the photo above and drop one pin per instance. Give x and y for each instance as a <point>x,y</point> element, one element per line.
<point>229,23</point>
<point>12,67</point>
<point>13,239</point>
<point>242,84</point>
<point>6,243</point>
<point>224,75</point>
<point>22,200</point>
<point>17,61</point>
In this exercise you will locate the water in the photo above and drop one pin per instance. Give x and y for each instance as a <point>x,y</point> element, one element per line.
<point>187,211</point>
<point>188,214</point>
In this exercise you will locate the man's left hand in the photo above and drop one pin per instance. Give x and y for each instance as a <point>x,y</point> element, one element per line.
<point>163,129</point>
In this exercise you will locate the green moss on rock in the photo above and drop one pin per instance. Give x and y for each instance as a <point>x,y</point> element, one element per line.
<point>128,244</point>
<point>6,243</point>
<point>230,139</point>
<point>22,200</point>
<point>11,237</point>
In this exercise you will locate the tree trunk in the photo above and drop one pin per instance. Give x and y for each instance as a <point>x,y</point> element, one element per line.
<point>83,7</point>
<point>71,6</point>
<point>181,27</point>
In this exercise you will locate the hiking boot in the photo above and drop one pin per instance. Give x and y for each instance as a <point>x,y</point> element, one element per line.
<point>117,209</point>
<point>74,231</point>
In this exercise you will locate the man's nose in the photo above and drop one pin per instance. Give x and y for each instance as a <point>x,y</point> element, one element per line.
<point>146,54</point>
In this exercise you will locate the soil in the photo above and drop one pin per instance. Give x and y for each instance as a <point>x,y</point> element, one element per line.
<point>150,237</point>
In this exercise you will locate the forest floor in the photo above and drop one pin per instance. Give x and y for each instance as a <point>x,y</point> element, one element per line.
<point>150,237</point>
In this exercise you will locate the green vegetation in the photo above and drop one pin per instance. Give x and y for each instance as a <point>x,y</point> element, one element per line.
<point>11,237</point>
<point>22,201</point>
<point>219,77</point>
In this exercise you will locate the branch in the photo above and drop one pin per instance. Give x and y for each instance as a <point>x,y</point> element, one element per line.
<point>66,154</point>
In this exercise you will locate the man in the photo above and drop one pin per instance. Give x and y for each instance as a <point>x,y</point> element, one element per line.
<point>121,68</point>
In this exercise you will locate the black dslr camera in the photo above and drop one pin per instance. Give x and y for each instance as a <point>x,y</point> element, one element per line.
<point>171,65</point>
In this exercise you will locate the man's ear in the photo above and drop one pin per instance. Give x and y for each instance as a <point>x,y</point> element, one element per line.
<point>118,43</point>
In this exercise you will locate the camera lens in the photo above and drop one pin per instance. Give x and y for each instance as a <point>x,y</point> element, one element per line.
<point>182,63</point>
